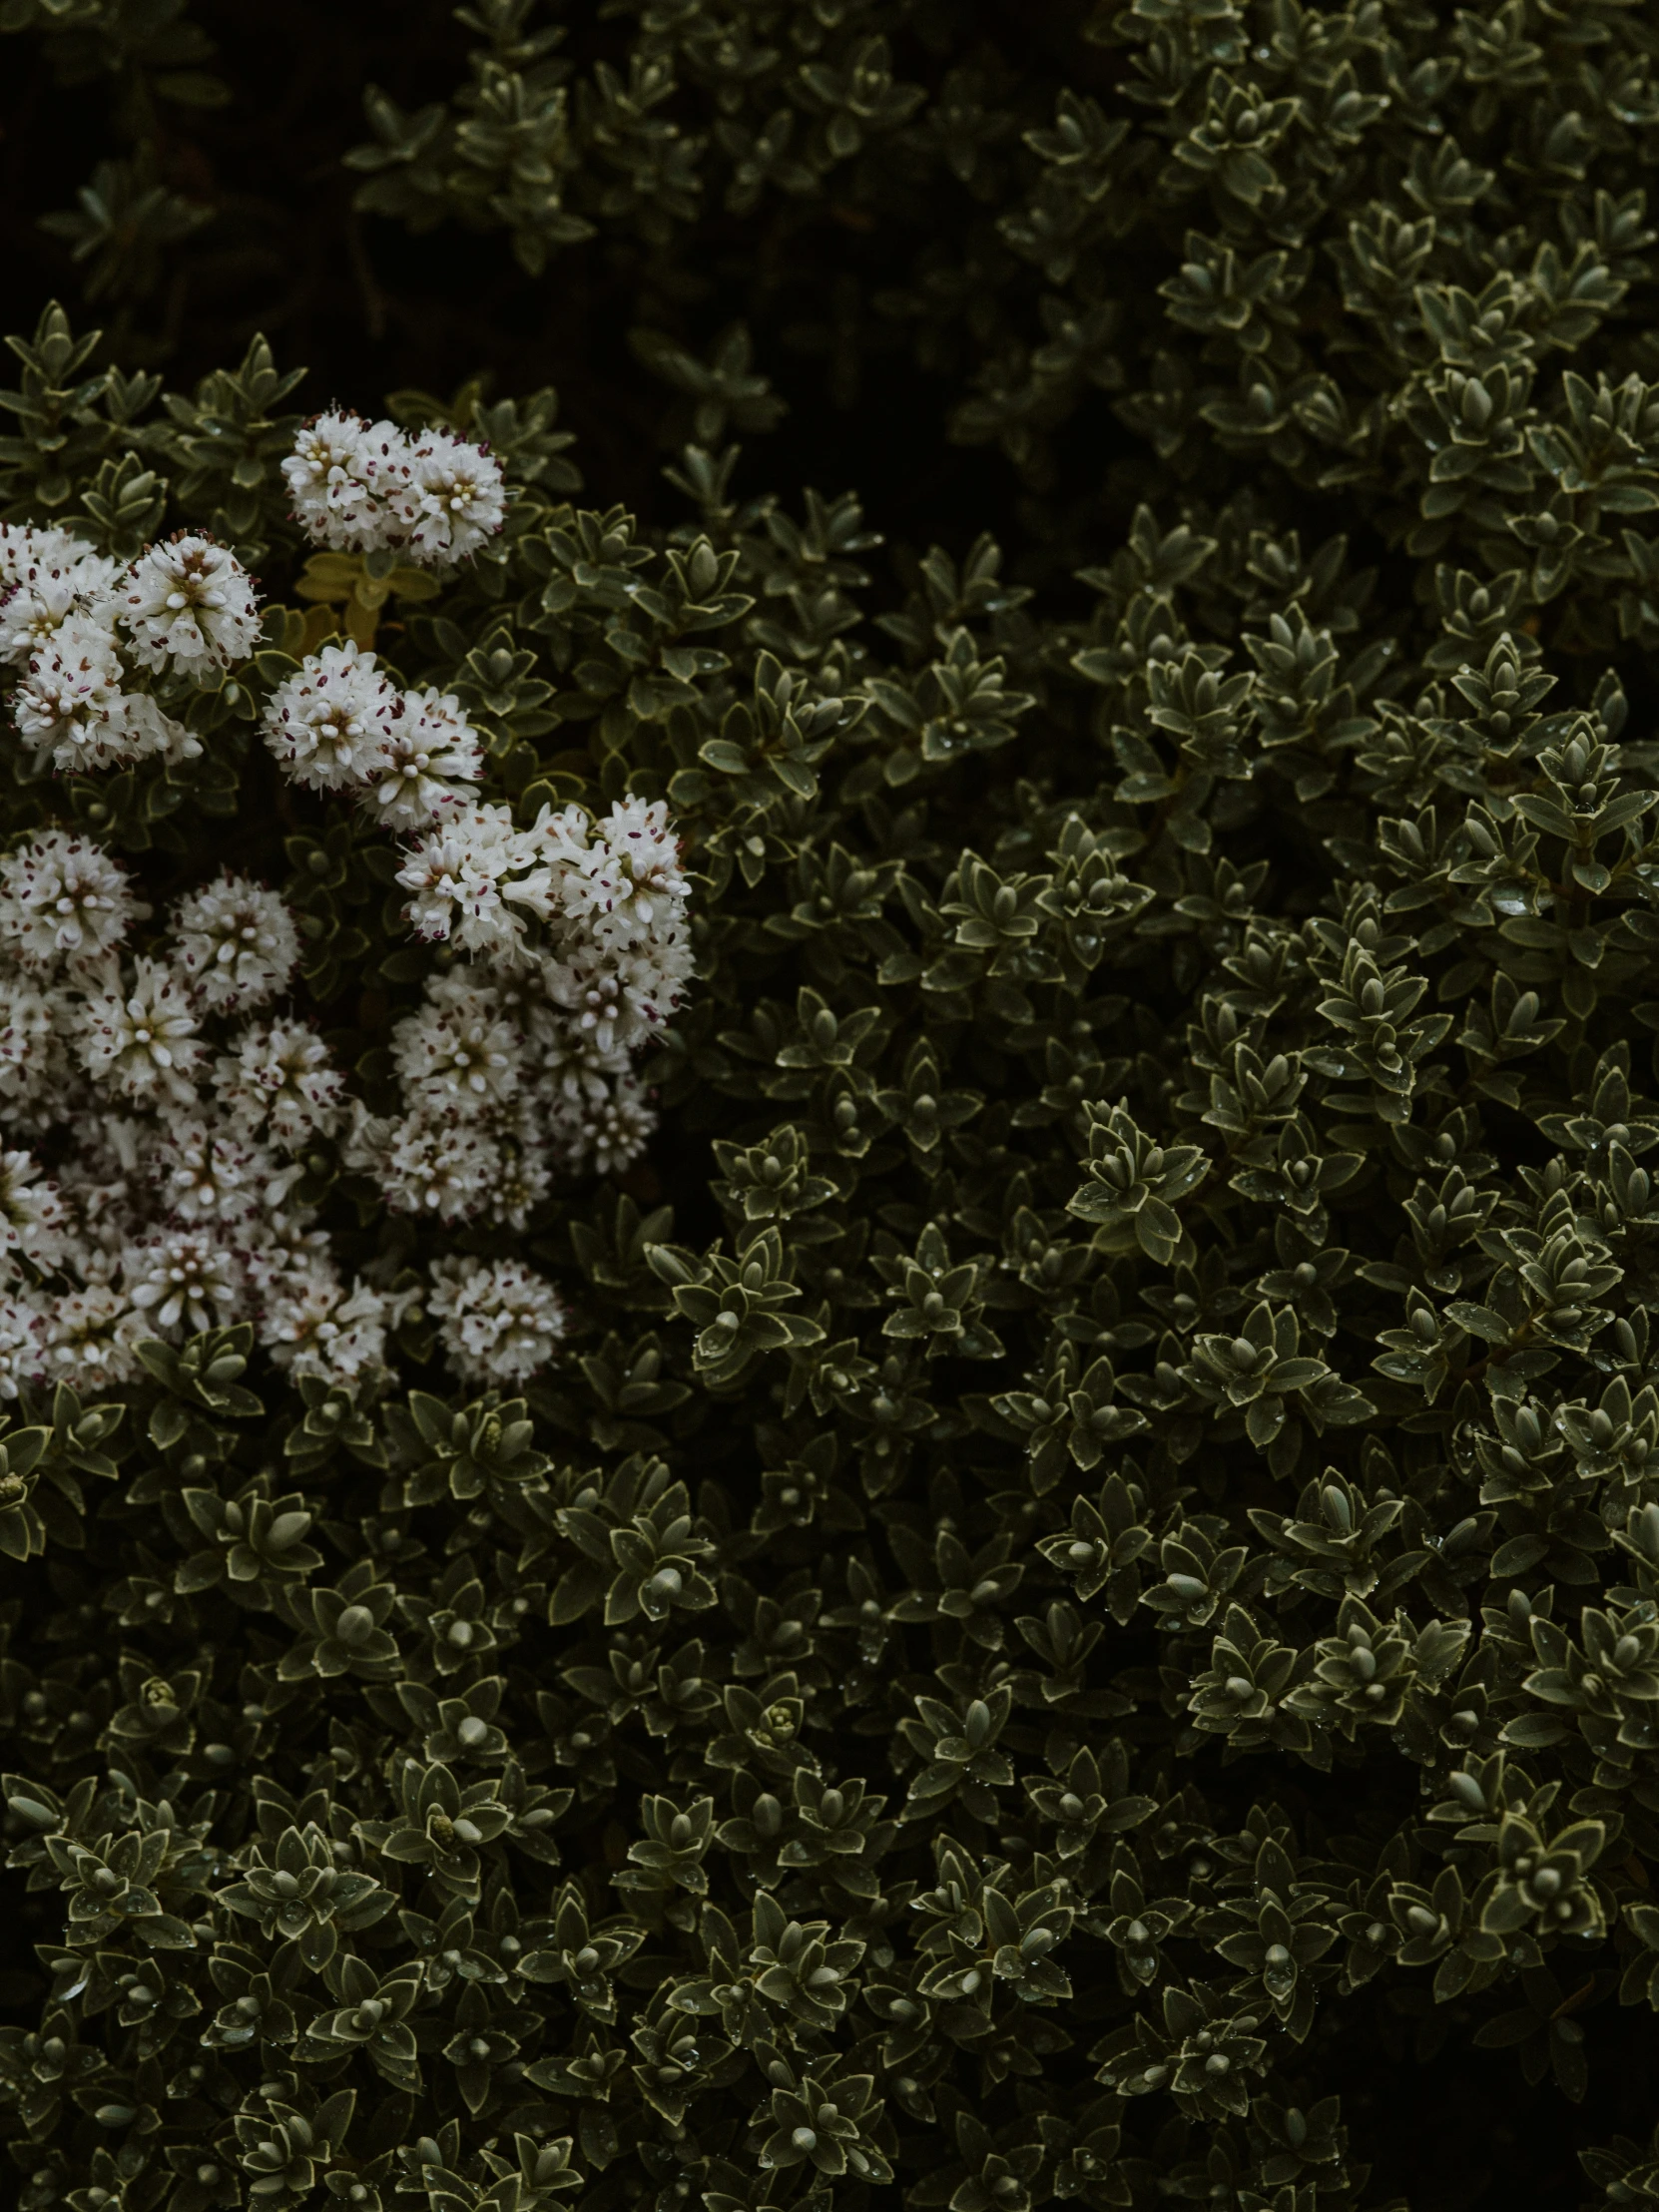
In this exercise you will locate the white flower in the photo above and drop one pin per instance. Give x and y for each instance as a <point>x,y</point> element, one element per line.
<point>143,1039</point>
<point>326,476</point>
<point>90,1337</point>
<point>281,1251</point>
<point>209,1174</point>
<point>525,1173</point>
<point>278,1079</point>
<point>55,595</point>
<point>428,762</point>
<point>498,1320</point>
<point>384,458</point>
<point>26,551</point>
<point>455,1053</point>
<point>101,1181</point>
<point>522,1182</point>
<point>462,874</point>
<point>619,1000</point>
<point>360,486</point>
<point>69,698</point>
<point>614,896</point>
<point>31,1216</point>
<point>621,882</point>
<point>238,944</point>
<point>561,838</point>
<point>190,603</point>
<point>329,724</point>
<point>363,1147</point>
<point>311,1327</point>
<point>62,897</point>
<point>459,499</point>
<point>34,1063</point>
<point>23,1353</point>
<point>605,1128</point>
<point>654,976</point>
<point>438,1168</point>
<point>591,993</point>
<point>72,709</point>
<point>623,1127</point>
<point>183,1278</point>
<point>524,1177</point>
<point>352,483</point>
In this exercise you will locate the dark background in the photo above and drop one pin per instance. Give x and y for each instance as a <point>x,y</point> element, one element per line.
<point>368,307</point>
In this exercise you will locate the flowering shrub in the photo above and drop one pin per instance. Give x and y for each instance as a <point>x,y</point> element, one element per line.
<point>211,1118</point>
<point>826,1373</point>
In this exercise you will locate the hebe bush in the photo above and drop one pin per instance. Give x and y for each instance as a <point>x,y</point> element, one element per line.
<point>1012,1556</point>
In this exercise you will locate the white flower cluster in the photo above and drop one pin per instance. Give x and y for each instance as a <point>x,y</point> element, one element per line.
<point>520,1061</point>
<point>183,1111</point>
<point>363,488</point>
<point>87,631</point>
<point>498,1320</point>
<point>340,725</point>
<point>175,1111</point>
<point>521,1058</point>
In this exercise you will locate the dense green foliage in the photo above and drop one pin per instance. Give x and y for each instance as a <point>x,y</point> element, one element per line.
<point>1079,1618</point>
